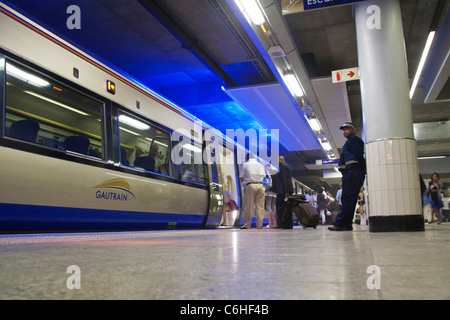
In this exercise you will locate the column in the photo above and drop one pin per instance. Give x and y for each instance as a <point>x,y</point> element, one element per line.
<point>391,155</point>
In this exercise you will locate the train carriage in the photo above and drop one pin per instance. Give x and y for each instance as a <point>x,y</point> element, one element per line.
<point>84,147</point>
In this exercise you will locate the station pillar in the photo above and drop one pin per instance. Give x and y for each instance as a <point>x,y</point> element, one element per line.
<point>393,189</point>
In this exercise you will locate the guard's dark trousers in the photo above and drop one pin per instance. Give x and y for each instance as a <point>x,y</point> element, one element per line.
<point>352,182</point>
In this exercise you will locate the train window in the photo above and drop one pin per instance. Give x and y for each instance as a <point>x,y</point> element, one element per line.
<point>42,111</point>
<point>189,169</point>
<point>143,146</point>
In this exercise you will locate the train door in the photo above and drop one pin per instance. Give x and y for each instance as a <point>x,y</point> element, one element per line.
<point>231,189</point>
<point>215,188</point>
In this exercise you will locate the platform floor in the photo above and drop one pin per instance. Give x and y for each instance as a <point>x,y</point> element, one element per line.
<point>228,264</point>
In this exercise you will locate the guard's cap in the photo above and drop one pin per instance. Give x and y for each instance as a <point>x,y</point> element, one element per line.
<point>347,125</point>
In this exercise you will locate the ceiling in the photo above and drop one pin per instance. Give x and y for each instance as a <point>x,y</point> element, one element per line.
<point>202,55</point>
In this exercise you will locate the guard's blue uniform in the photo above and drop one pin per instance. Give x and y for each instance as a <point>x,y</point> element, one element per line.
<point>353,166</point>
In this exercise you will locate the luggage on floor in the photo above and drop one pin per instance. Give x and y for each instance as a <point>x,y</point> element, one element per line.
<point>291,202</point>
<point>292,205</point>
<point>306,214</point>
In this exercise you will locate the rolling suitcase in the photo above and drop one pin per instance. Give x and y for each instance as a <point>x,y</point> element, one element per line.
<point>291,202</point>
<point>306,214</point>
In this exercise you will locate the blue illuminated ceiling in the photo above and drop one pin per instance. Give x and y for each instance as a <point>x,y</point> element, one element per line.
<point>125,35</point>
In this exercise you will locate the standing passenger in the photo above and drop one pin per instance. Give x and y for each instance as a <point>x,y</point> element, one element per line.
<point>434,192</point>
<point>322,204</point>
<point>338,197</point>
<point>271,198</point>
<point>252,175</point>
<point>284,186</point>
<point>353,168</point>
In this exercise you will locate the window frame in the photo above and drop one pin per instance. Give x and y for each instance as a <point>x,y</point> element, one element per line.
<point>121,110</point>
<point>42,149</point>
<point>141,172</point>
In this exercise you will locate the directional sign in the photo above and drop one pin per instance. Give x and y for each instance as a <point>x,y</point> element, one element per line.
<point>324,162</point>
<point>292,6</point>
<point>316,4</point>
<point>345,75</point>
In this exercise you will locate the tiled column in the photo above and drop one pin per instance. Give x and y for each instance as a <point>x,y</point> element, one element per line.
<point>391,155</point>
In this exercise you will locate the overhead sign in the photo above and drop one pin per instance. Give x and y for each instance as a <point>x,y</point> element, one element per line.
<point>317,4</point>
<point>324,162</point>
<point>345,75</point>
<point>292,6</point>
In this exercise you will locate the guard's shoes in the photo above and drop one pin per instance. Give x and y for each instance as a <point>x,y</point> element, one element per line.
<point>243,227</point>
<point>336,228</point>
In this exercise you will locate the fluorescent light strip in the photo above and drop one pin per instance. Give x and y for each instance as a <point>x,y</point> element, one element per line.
<point>25,76</point>
<point>192,148</point>
<point>425,52</point>
<point>429,158</point>
<point>133,122</point>
<point>251,8</point>
<point>129,131</point>
<point>314,124</point>
<point>326,145</point>
<point>293,85</point>
<point>56,103</point>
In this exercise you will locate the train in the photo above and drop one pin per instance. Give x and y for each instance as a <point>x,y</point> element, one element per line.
<point>85,147</point>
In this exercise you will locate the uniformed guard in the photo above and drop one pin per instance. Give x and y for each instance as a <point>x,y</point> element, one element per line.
<point>352,165</point>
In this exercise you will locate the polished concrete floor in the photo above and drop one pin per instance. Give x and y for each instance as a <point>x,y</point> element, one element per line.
<point>228,264</point>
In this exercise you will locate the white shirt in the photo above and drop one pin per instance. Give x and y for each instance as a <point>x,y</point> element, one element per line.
<point>252,171</point>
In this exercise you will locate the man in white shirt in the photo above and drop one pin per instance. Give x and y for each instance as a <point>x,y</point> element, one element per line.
<point>251,176</point>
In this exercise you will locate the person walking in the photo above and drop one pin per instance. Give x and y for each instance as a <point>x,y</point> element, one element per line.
<point>353,168</point>
<point>252,175</point>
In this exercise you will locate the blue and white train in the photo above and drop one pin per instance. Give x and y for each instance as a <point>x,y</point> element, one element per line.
<point>85,148</point>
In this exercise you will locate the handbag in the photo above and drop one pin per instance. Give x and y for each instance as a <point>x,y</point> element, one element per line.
<point>267,183</point>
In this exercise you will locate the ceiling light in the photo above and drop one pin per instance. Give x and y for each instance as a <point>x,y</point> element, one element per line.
<point>56,103</point>
<point>191,147</point>
<point>314,124</point>
<point>326,145</point>
<point>133,122</point>
<point>429,158</point>
<point>129,131</point>
<point>25,76</point>
<point>421,63</point>
<point>293,85</point>
<point>252,10</point>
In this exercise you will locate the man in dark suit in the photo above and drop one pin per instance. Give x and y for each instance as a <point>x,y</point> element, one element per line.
<point>284,189</point>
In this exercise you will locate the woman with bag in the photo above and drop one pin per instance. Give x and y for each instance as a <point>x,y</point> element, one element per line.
<point>434,194</point>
